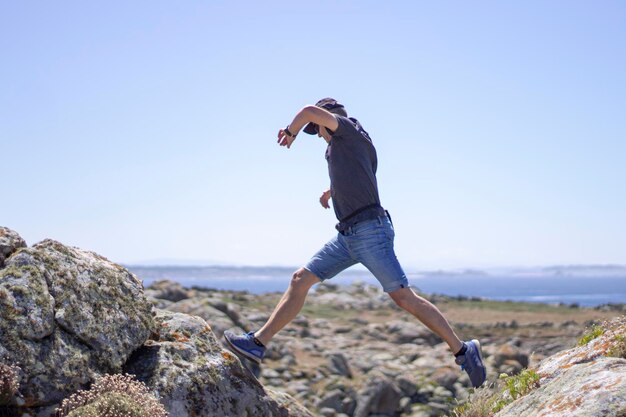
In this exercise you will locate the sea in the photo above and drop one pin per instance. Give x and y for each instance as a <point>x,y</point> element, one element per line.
<point>549,285</point>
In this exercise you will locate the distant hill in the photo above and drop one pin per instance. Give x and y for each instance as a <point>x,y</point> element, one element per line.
<point>582,271</point>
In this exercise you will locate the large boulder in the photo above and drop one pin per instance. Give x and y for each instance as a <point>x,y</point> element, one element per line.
<point>66,316</point>
<point>194,376</point>
<point>167,290</point>
<point>593,389</point>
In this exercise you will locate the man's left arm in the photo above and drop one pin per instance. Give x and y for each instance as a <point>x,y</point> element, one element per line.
<point>326,195</point>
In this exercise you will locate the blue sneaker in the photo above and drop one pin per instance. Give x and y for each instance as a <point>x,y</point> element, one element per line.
<point>245,346</point>
<point>472,363</point>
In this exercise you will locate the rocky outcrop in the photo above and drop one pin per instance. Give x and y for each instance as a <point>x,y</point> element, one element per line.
<point>69,316</point>
<point>580,382</point>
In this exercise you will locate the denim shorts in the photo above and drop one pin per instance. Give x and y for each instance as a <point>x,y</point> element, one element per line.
<point>370,243</point>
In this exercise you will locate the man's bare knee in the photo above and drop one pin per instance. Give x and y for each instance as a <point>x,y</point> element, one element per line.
<point>303,279</point>
<point>404,297</point>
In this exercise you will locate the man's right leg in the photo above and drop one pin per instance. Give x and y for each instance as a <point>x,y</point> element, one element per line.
<point>333,258</point>
<point>252,345</point>
<point>330,260</point>
<point>289,305</point>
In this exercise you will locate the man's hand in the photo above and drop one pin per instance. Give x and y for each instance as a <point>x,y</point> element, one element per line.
<point>284,139</point>
<point>324,199</point>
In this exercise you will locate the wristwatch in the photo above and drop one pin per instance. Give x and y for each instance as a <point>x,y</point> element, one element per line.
<point>288,132</point>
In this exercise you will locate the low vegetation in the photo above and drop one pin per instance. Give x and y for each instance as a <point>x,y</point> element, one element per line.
<point>487,401</point>
<point>481,404</point>
<point>618,350</point>
<point>517,386</point>
<point>113,396</point>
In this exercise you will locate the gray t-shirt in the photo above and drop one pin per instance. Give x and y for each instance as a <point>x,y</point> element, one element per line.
<point>352,164</point>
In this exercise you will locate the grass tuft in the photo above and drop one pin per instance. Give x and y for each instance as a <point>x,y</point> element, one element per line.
<point>516,387</point>
<point>595,332</point>
<point>487,401</point>
<point>618,350</point>
<point>480,404</point>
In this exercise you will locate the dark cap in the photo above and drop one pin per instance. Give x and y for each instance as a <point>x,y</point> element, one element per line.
<point>332,106</point>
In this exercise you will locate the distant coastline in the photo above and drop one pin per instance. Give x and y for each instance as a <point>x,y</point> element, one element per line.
<point>586,286</point>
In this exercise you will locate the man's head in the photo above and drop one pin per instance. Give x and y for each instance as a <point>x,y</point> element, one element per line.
<point>332,106</point>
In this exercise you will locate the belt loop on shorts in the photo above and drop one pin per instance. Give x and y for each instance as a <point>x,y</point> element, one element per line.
<point>389,216</point>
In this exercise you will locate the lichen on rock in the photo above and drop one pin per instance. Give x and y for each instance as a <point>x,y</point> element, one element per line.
<point>596,388</point>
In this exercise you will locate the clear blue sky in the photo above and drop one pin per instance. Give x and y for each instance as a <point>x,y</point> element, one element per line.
<point>145,130</point>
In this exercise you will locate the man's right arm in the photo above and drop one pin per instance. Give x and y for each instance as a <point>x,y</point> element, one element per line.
<point>308,114</point>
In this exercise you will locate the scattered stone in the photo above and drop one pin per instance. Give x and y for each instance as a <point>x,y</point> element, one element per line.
<point>339,364</point>
<point>379,396</point>
<point>332,400</point>
<point>167,290</point>
<point>446,377</point>
<point>509,352</point>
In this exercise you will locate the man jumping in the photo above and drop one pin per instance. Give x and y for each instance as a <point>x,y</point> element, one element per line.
<point>365,235</point>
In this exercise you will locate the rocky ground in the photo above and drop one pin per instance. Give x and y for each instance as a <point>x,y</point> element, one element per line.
<point>68,317</point>
<point>352,352</point>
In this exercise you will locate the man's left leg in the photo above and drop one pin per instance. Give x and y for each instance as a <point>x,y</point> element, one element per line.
<point>375,251</point>
<point>428,314</point>
<point>467,354</point>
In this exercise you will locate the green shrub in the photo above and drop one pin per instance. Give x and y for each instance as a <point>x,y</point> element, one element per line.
<point>113,396</point>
